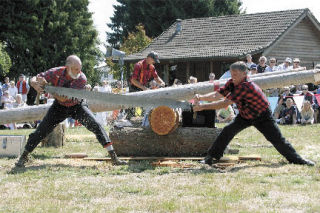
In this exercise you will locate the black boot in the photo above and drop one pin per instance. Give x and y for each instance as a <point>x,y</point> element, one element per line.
<point>115,160</point>
<point>23,159</point>
<point>303,161</point>
<point>207,160</point>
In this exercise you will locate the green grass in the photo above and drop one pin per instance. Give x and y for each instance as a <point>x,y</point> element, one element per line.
<point>54,184</point>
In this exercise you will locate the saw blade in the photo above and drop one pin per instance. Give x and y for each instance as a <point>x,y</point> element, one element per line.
<point>111,99</point>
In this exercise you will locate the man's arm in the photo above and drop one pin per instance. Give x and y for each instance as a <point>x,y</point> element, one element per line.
<point>213,96</point>
<point>138,84</point>
<point>214,105</point>
<point>160,81</point>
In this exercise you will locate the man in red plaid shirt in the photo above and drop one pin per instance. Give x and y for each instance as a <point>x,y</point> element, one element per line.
<point>253,111</point>
<point>69,76</point>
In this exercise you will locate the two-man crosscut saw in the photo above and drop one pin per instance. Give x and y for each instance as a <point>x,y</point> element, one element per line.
<point>115,99</point>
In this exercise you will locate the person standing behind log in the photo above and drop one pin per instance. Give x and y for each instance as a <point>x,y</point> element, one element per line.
<point>69,76</point>
<point>144,72</point>
<point>253,111</point>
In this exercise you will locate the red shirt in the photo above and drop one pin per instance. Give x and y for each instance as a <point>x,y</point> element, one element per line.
<point>248,97</point>
<point>58,77</point>
<point>144,72</point>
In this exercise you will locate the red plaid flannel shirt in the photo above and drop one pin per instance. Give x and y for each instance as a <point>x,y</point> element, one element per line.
<point>248,97</point>
<point>58,77</point>
<point>144,72</point>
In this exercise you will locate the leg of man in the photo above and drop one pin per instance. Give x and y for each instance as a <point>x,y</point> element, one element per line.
<point>54,116</point>
<point>268,127</point>
<point>87,119</point>
<point>228,132</point>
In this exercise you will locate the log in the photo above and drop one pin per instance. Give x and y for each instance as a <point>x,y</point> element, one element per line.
<point>56,138</point>
<point>182,142</point>
<point>163,120</point>
<point>183,92</point>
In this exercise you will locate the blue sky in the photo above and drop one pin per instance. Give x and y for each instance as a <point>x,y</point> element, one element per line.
<point>103,9</point>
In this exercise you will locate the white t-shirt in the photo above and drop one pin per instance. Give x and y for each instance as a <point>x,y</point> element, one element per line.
<point>13,91</point>
<point>106,89</point>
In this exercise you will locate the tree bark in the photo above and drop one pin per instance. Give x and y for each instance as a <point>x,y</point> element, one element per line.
<point>56,138</point>
<point>182,142</point>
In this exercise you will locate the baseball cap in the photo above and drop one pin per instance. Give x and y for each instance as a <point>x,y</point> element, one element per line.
<point>288,60</point>
<point>253,66</point>
<point>296,60</point>
<point>154,56</point>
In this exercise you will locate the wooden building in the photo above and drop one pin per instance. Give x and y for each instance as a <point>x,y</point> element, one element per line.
<point>202,45</point>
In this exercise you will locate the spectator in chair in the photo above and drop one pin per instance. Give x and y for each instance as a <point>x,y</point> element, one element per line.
<point>272,65</point>
<point>253,69</point>
<point>249,61</point>
<point>289,114</point>
<point>6,84</point>
<point>13,91</point>
<point>262,66</point>
<point>285,66</point>
<point>211,77</point>
<point>296,65</point>
<point>307,113</point>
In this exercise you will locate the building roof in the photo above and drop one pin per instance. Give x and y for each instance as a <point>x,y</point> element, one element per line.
<point>223,36</point>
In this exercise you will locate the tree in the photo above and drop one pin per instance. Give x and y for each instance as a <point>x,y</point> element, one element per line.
<point>5,61</point>
<point>41,34</point>
<point>158,15</point>
<point>134,42</point>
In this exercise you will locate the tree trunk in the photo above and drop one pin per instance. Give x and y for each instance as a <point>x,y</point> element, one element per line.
<point>56,138</point>
<point>184,92</point>
<point>144,142</point>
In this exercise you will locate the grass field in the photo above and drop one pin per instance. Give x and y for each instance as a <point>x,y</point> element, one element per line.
<point>54,184</point>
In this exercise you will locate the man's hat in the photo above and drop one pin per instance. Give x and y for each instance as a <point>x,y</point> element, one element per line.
<point>21,75</point>
<point>154,56</point>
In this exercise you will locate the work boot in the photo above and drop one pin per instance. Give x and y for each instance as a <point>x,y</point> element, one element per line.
<point>303,161</point>
<point>23,159</point>
<point>115,160</point>
<point>207,160</point>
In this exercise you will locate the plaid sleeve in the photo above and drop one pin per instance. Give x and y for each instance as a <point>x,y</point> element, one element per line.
<point>49,75</point>
<point>225,89</point>
<point>137,68</point>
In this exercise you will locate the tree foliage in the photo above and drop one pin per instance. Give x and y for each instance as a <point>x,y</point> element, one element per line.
<point>5,61</point>
<point>41,34</point>
<point>134,42</point>
<point>158,15</point>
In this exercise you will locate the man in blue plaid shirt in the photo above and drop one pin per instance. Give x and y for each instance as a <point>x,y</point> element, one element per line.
<point>253,111</point>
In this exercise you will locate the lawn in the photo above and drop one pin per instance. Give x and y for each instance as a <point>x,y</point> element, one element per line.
<point>54,184</point>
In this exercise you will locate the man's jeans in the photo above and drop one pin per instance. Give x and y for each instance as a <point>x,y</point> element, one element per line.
<point>58,113</point>
<point>266,124</point>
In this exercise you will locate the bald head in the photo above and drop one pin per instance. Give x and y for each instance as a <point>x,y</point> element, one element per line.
<point>73,64</point>
<point>73,60</point>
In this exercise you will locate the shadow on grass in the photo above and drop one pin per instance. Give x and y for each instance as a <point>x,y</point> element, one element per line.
<point>19,170</point>
<point>266,165</point>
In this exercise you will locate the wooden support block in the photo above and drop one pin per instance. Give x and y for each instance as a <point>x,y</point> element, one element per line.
<point>76,155</point>
<point>56,138</point>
